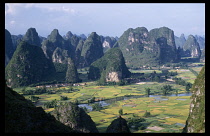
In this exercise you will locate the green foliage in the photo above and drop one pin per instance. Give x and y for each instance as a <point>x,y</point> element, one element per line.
<point>147,90</point>
<point>188,86</point>
<point>32,37</point>
<point>76,102</point>
<point>91,100</point>
<point>135,123</point>
<point>28,66</point>
<point>166,89</point>
<point>72,115</point>
<point>196,118</point>
<point>37,91</point>
<point>71,73</point>
<point>63,98</point>
<point>172,73</point>
<point>120,112</point>
<point>156,79</point>
<point>140,47</point>
<point>180,81</point>
<point>22,116</point>
<point>51,104</point>
<point>112,61</point>
<point>59,67</point>
<point>96,107</point>
<point>190,46</point>
<point>34,98</point>
<point>92,49</point>
<point>147,114</point>
<point>9,49</point>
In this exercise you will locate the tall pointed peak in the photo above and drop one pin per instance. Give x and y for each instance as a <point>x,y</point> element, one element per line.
<point>32,37</point>
<point>54,35</point>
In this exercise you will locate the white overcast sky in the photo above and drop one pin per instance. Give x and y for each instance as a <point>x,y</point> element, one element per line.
<point>107,19</point>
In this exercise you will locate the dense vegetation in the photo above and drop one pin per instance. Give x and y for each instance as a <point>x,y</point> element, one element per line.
<point>9,49</point>
<point>191,48</point>
<point>54,63</point>
<point>29,65</point>
<point>21,116</point>
<point>32,37</point>
<point>75,117</point>
<point>92,49</point>
<point>71,73</point>
<point>140,47</point>
<point>196,120</point>
<point>112,61</point>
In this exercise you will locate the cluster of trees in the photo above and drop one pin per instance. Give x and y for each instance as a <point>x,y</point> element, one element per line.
<point>71,89</point>
<point>44,83</point>
<point>37,91</point>
<point>181,65</point>
<point>59,67</point>
<point>96,107</point>
<point>121,83</point>
<point>34,98</point>
<point>136,123</point>
<point>91,100</point>
<point>63,98</point>
<point>180,81</point>
<point>166,89</point>
<point>120,112</point>
<point>154,76</point>
<point>147,91</point>
<point>147,114</point>
<point>51,104</point>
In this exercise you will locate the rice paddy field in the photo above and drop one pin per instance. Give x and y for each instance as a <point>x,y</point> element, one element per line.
<point>168,115</point>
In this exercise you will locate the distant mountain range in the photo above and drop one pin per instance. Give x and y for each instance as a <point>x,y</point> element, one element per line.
<point>139,47</point>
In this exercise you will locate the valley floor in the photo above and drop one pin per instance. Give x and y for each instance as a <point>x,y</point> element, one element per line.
<point>167,115</point>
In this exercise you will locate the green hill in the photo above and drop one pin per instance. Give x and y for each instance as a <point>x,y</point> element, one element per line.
<point>141,47</point>
<point>21,116</point>
<point>28,65</point>
<point>110,67</point>
<point>196,120</point>
<point>92,49</point>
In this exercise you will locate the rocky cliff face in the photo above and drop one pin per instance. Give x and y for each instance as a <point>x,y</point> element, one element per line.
<point>164,38</point>
<point>60,56</point>
<point>75,117</point>
<point>32,37</point>
<point>142,47</point>
<point>202,59</point>
<point>68,35</point>
<point>9,48</point>
<point>21,116</point>
<point>110,67</point>
<point>114,77</point>
<point>79,61</point>
<point>107,42</point>
<point>118,125</point>
<point>56,48</point>
<point>201,41</point>
<point>196,120</point>
<point>16,39</point>
<point>191,48</point>
<point>28,65</point>
<point>180,41</point>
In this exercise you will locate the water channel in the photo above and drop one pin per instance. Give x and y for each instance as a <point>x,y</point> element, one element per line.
<point>110,101</point>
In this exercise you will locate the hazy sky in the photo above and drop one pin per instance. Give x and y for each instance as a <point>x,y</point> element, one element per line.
<point>107,19</point>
